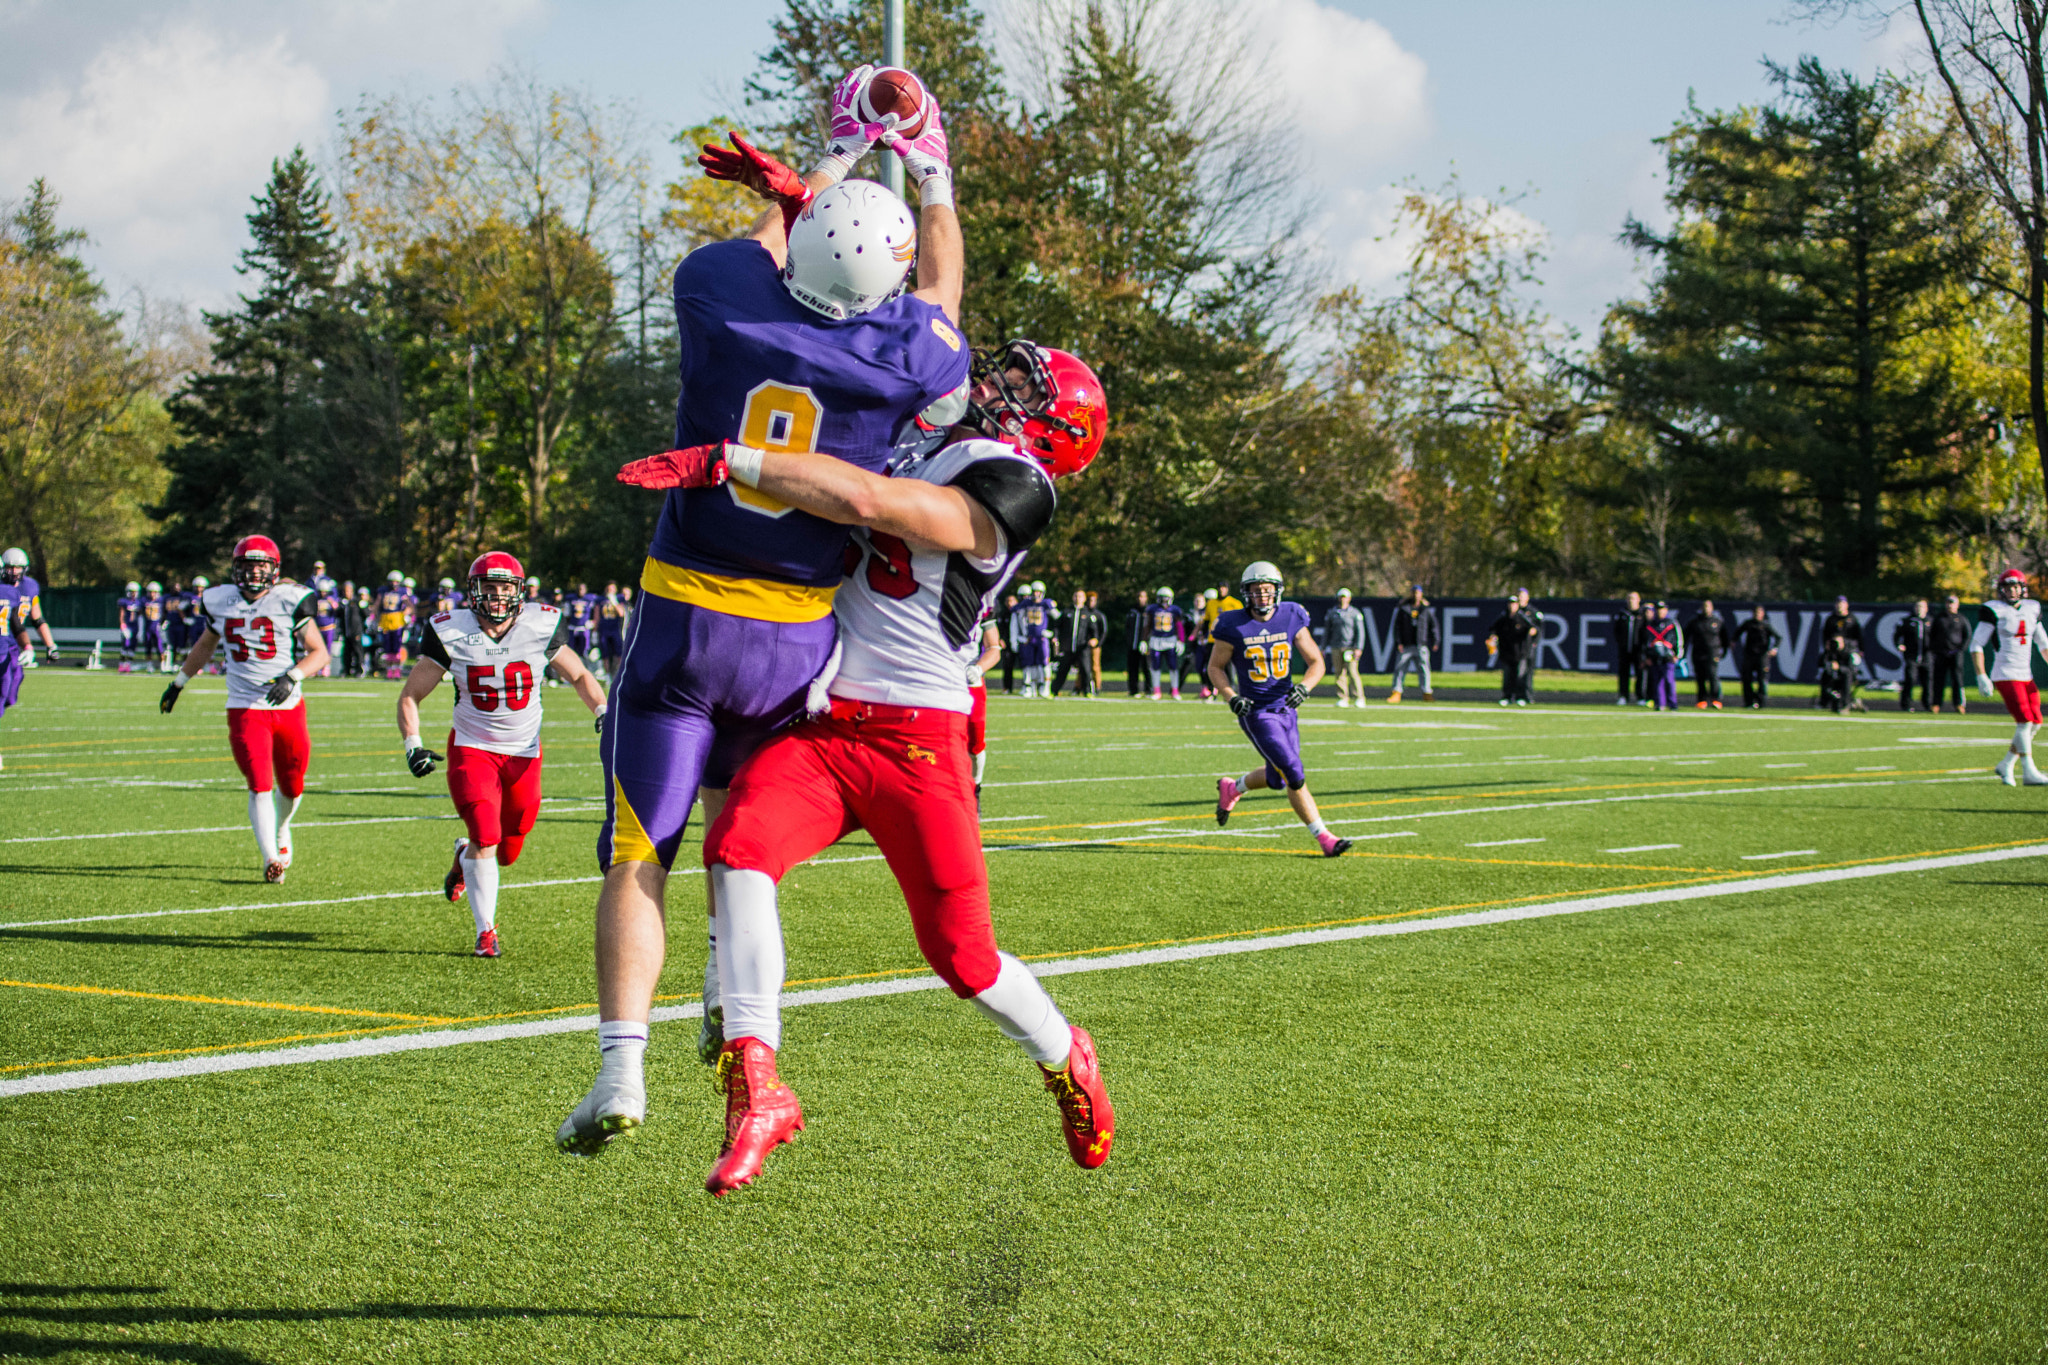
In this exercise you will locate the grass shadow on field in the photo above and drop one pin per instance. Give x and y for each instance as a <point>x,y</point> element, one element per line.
<point>149,1315</point>
<point>272,942</point>
<point>154,871</point>
<point>21,1346</point>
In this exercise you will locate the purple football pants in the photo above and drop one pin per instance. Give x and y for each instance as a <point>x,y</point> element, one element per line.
<point>1275,732</point>
<point>697,692</point>
<point>10,676</point>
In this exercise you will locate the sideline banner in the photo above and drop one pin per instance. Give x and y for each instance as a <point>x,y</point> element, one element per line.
<point>1578,634</point>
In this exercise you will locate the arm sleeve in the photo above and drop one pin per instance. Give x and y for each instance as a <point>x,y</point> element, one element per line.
<point>303,612</point>
<point>1985,630</point>
<point>559,641</point>
<point>1016,493</point>
<point>432,648</point>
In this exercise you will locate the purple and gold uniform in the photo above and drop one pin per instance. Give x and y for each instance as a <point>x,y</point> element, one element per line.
<point>327,612</point>
<point>580,610</point>
<point>735,614</point>
<point>129,607</point>
<point>1031,631</point>
<point>1166,634</point>
<point>393,605</point>
<point>152,612</point>
<point>20,608</point>
<point>1262,653</point>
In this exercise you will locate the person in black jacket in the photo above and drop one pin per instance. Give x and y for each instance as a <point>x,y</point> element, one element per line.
<point>1646,665</point>
<point>354,625</point>
<point>1626,628</point>
<point>1080,635</point>
<point>1415,639</point>
<point>1506,640</point>
<point>1913,639</point>
<point>1134,645</point>
<point>1663,643</point>
<point>1756,644</point>
<point>1706,640</point>
<point>1841,627</point>
<point>1532,645</point>
<point>1950,640</point>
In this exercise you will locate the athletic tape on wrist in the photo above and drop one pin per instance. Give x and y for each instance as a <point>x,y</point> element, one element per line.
<point>412,742</point>
<point>834,167</point>
<point>936,191</point>
<point>743,464</point>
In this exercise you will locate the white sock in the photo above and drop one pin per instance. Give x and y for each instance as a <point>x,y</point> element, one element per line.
<point>287,807</point>
<point>750,958</point>
<point>1026,1014</point>
<point>980,763</point>
<point>263,819</point>
<point>711,997</point>
<point>480,884</point>
<point>2023,741</point>
<point>621,1044</point>
<point>1317,828</point>
<point>1245,783</point>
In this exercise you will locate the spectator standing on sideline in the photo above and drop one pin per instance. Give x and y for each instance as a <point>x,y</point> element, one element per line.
<point>1756,644</point>
<point>1841,628</point>
<point>1009,654</point>
<point>1080,638</point>
<point>1532,645</point>
<point>1913,640</point>
<point>1626,626</point>
<point>1706,640</point>
<point>1661,647</point>
<point>1504,640</point>
<point>1134,655</point>
<point>1644,672</point>
<point>1951,636</point>
<point>355,620</point>
<point>1101,634</point>
<point>1343,638</point>
<point>1415,636</point>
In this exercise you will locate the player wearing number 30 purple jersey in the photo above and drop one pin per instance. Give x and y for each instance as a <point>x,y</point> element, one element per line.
<point>1262,642</point>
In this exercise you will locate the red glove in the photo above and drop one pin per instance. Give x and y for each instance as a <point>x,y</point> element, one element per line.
<point>690,467</point>
<point>759,172</point>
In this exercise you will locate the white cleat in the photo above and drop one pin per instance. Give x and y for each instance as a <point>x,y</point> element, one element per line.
<point>2005,771</point>
<point>615,1106</point>
<point>2034,777</point>
<point>284,855</point>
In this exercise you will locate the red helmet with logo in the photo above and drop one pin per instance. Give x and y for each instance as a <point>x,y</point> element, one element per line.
<point>1059,420</point>
<point>2012,578</point>
<point>496,583</point>
<point>255,564</point>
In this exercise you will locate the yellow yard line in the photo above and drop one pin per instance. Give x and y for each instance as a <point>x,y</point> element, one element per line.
<point>216,1000</point>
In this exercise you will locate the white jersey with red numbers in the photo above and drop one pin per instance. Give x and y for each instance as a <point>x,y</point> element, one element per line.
<point>497,682</point>
<point>909,619</point>
<point>256,638</point>
<point>2017,628</point>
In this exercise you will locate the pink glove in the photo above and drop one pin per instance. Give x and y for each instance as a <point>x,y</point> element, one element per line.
<point>690,467</point>
<point>926,157</point>
<point>851,139</point>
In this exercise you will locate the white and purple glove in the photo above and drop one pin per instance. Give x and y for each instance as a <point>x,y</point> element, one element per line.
<point>926,158</point>
<point>851,139</point>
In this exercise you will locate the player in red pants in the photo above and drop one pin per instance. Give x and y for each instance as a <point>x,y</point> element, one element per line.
<point>938,542</point>
<point>496,651</point>
<point>259,620</point>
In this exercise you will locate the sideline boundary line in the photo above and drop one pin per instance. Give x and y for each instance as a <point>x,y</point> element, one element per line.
<point>374,1047</point>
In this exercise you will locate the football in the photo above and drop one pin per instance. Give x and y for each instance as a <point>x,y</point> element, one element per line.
<point>892,90</point>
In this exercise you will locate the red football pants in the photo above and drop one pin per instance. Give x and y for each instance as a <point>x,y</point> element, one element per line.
<point>267,743</point>
<point>977,719</point>
<point>497,796</point>
<point>2022,701</point>
<point>903,776</point>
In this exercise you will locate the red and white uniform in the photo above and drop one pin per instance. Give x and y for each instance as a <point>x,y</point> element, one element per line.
<point>2016,627</point>
<point>892,755</point>
<point>494,748</point>
<point>256,644</point>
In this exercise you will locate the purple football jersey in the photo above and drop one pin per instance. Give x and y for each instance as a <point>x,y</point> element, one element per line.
<point>1262,652</point>
<point>760,368</point>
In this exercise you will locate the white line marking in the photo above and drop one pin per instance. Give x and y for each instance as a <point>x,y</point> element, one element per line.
<point>865,990</point>
<point>1880,768</point>
<point>1000,819</point>
<point>1788,853</point>
<point>1361,838</point>
<point>1784,765</point>
<point>1641,848</point>
<point>1503,843</point>
<point>227,829</point>
<point>1126,824</point>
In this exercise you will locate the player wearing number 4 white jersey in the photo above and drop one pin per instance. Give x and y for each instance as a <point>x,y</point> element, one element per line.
<point>2014,621</point>
<point>496,651</point>
<point>258,619</point>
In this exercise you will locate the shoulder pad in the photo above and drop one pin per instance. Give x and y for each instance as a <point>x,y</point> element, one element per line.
<point>444,618</point>
<point>1016,492</point>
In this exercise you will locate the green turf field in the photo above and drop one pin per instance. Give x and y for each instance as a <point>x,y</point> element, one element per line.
<point>1796,1119</point>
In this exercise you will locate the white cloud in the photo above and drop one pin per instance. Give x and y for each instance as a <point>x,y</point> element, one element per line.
<point>1358,97</point>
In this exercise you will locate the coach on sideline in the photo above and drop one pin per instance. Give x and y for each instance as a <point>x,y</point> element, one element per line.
<point>1343,638</point>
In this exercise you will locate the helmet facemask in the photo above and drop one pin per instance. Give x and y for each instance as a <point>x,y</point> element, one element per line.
<point>1262,599</point>
<point>2011,587</point>
<point>494,597</point>
<point>254,575</point>
<point>1010,410</point>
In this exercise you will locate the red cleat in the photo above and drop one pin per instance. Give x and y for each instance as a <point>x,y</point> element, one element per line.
<point>453,885</point>
<point>487,943</point>
<point>761,1113</point>
<point>1085,1113</point>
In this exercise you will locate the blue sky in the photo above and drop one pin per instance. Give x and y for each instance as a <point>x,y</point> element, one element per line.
<point>156,119</point>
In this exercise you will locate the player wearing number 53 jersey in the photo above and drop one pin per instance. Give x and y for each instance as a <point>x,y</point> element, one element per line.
<point>257,619</point>
<point>496,652</point>
<point>1262,642</point>
<point>2013,621</point>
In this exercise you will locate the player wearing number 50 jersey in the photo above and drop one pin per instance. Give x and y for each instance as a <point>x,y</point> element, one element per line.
<point>1261,642</point>
<point>496,651</point>
<point>257,620</point>
<point>2013,621</point>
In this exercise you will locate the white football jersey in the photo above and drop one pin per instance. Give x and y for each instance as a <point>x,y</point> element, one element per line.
<point>256,638</point>
<point>497,682</point>
<point>2017,628</point>
<point>909,620</point>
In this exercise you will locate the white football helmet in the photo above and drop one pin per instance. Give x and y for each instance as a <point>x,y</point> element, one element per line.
<point>199,583</point>
<point>1261,573</point>
<point>1165,595</point>
<point>849,250</point>
<point>132,588</point>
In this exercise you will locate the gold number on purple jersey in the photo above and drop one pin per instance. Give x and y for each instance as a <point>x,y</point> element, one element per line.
<point>777,417</point>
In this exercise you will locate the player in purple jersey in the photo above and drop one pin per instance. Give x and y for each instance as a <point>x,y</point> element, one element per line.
<point>1262,642</point>
<point>796,337</point>
<point>21,611</point>
<point>128,614</point>
<point>151,642</point>
<point>580,610</point>
<point>326,613</point>
<point>1166,636</point>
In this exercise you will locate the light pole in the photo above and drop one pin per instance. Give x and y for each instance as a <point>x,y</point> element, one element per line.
<point>892,55</point>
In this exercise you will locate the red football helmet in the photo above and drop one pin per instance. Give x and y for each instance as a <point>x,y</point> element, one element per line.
<point>2014,579</point>
<point>255,565</point>
<point>496,583</point>
<point>1060,421</point>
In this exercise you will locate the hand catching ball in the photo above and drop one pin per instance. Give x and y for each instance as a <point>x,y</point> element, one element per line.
<point>892,90</point>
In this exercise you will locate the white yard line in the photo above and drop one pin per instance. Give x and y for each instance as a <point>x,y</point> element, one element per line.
<point>1503,843</point>
<point>413,1042</point>
<point>1641,848</point>
<point>1788,853</point>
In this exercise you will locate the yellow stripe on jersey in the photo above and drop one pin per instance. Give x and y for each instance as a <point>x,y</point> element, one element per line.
<point>391,620</point>
<point>757,599</point>
<point>630,843</point>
